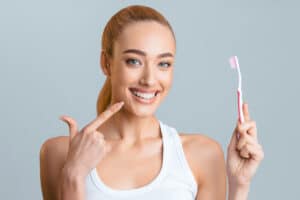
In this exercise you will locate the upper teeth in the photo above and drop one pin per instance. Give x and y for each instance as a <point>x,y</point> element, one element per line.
<point>144,95</point>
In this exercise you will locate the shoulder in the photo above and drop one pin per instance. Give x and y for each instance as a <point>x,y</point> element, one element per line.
<point>196,143</point>
<point>53,153</point>
<point>54,149</point>
<point>204,154</point>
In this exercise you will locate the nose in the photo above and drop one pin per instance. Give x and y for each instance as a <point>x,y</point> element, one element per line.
<point>148,77</point>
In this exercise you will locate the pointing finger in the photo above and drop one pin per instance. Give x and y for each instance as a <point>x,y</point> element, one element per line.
<point>105,115</point>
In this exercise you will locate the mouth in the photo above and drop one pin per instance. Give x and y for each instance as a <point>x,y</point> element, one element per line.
<point>144,96</point>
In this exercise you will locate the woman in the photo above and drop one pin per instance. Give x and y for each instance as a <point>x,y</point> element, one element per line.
<point>126,152</point>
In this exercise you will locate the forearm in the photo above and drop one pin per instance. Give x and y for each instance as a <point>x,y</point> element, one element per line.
<point>238,192</point>
<point>71,187</point>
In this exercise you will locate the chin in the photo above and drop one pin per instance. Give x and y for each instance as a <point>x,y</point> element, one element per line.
<point>144,112</point>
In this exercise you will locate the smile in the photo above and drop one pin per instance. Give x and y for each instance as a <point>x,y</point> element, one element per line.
<point>144,97</point>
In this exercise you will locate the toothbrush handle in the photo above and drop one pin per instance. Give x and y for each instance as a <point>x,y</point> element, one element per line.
<point>240,104</point>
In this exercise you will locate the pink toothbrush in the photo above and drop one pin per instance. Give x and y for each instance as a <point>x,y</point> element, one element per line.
<point>235,65</point>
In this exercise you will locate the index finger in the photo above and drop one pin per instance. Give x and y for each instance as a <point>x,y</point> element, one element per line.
<point>103,116</point>
<point>246,111</point>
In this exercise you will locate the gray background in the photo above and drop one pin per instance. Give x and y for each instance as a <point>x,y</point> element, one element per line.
<point>49,55</point>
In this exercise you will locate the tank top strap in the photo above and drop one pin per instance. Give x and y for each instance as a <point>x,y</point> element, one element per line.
<point>174,144</point>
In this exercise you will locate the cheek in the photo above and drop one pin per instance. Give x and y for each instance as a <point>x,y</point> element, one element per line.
<point>166,79</point>
<point>124,76</point>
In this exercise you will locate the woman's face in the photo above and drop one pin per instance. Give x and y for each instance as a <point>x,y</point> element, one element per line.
<point>142,67</point>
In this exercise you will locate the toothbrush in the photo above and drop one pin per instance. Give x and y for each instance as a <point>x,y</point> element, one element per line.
<point>233,60</point>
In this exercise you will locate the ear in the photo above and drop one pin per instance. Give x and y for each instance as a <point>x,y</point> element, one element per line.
<point>104,63</point>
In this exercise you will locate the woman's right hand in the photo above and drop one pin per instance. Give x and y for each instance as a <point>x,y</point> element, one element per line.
<point>87,147</point>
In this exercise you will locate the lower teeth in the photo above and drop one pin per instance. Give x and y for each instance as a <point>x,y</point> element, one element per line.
<point>143,97</point>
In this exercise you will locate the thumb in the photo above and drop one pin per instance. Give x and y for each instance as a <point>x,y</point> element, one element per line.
<point>72,125</point>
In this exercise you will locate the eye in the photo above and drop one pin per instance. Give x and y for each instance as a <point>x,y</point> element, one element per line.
<point>132,61</point>
<point>165,64</point>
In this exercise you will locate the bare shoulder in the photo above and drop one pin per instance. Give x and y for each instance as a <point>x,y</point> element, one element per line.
<point>200,144</point>
<point>54,149</point>
<point>53,154</point>
<point>58,144</point>
<point>202,153</point>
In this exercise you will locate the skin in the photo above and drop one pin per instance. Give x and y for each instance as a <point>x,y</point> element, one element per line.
<point>245,153</point>
<point>128,134</point>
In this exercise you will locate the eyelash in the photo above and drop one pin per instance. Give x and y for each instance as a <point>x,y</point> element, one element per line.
<point>169,64</point>
<point>132,59</point>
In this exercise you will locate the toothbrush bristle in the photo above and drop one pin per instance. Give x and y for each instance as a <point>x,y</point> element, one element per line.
<point>233,62</point>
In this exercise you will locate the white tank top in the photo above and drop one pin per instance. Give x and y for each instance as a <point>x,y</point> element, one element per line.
<point>175,180</point>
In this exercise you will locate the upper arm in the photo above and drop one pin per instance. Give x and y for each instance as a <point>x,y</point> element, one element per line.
<point>52,156</point>
<point>211,169</point>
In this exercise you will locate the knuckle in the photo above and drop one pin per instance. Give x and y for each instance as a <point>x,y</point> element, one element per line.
<point>100,135</point>
<point>262,151</point>
<point>247,147</point>
<point>260,156</point>
<point>85,130</point>
<point>244,153</point>
<point>243,134</point>
<point>101,141</point>
<point>259,146</point>
<point>249,139</point>
<point>253,123</point>
<point>242,148</point>
<point>94,137</point>
<point>239,128</point>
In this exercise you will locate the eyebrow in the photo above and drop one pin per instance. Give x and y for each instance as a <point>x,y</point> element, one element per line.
<point>142,53</point>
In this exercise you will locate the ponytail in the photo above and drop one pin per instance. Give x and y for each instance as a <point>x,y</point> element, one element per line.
<point>104,97</point>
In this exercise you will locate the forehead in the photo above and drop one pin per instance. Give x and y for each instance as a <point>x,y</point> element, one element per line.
<point>151,37</point>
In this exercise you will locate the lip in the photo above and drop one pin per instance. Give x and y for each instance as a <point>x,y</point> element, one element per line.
<point>144,101</point>
<point>144,90</point>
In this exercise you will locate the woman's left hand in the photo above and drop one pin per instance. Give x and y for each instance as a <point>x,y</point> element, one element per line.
<point>244,154</point>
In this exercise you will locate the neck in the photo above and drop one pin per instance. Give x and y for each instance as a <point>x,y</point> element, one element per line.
<point>129,128</point>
